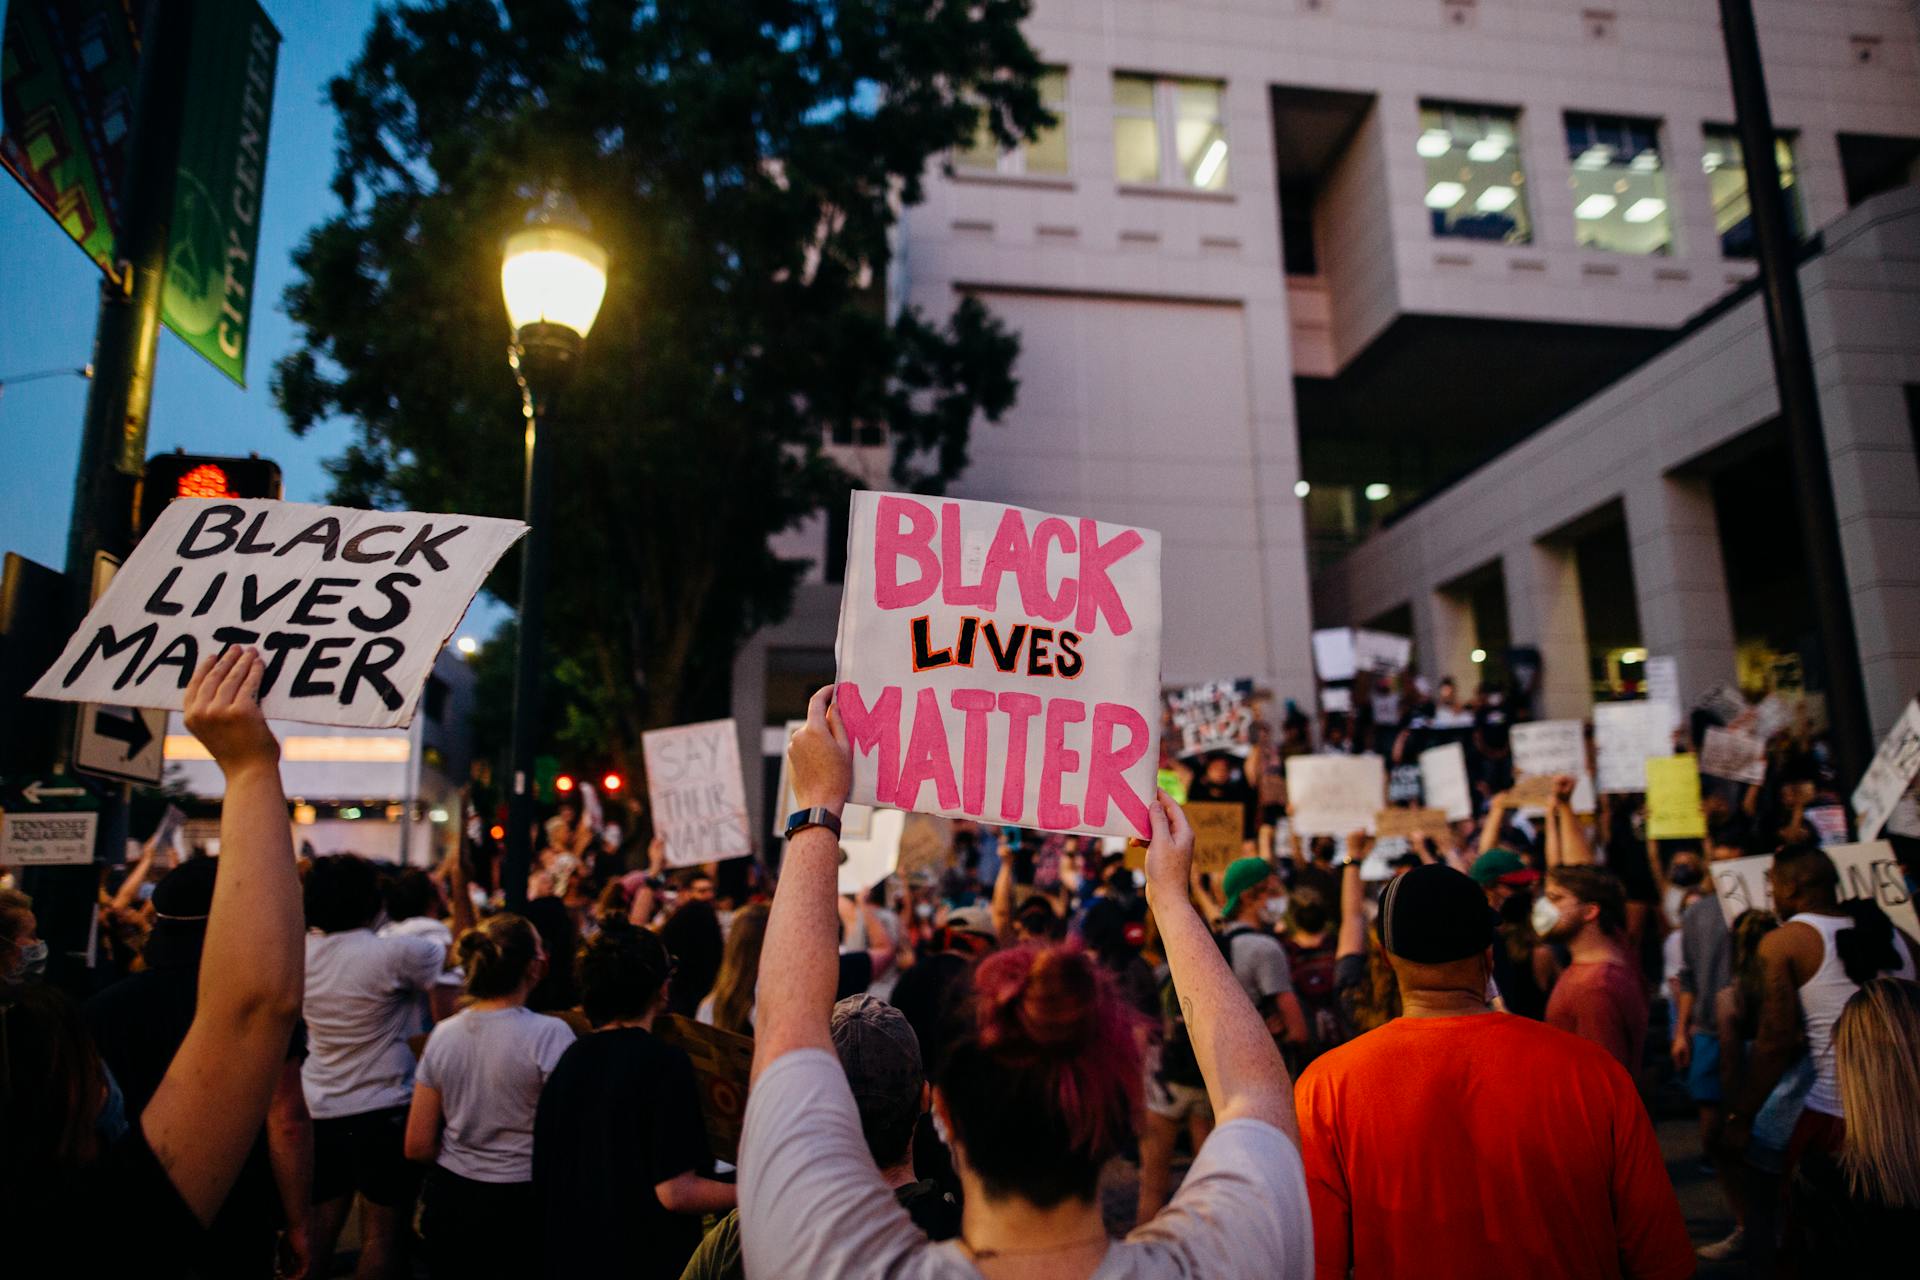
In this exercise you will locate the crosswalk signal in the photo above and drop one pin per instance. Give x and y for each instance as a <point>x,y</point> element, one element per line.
<point>198,475</point>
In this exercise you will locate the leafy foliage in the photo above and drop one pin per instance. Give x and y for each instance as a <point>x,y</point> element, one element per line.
<point>743,163</point>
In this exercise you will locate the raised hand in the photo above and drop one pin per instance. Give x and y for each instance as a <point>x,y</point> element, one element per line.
<point>1170,853</point>
<point>820,760</point>
<point>222,709</point>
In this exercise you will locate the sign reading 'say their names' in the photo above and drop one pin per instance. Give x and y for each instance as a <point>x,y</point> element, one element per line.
<point>349,608</point>
<point>699,799</point>
<point>1001,664</point>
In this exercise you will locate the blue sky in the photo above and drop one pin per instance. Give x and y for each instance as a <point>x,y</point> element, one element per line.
<point>49,294</point>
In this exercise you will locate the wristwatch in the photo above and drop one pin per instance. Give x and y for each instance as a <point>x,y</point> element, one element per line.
<point>818,816</point>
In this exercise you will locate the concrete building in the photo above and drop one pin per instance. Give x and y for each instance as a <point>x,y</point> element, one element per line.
<point>1287,267</point>
<point>388,794</point>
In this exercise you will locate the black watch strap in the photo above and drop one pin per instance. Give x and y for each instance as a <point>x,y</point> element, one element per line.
<point>818,816</point>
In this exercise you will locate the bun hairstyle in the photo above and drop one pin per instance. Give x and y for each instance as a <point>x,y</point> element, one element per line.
<point>1044,1083</point>
<point>497,953</point>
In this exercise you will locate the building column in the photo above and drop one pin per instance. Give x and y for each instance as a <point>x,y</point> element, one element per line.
<point>1680,579</point>
<point>1543,610</point>
<point>1443,636</point>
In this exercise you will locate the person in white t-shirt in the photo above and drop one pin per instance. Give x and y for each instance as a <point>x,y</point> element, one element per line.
<point>474,1099</point>
<point>414,904</point>
<point>362,1002</point>
<point>1039,1089</point>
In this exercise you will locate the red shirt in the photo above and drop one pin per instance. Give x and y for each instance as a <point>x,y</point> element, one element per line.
<point>1603,1001</point>
<point>1483,1145</point>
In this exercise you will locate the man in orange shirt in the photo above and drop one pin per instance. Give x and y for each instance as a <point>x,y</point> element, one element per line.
<point>1459,1142</point>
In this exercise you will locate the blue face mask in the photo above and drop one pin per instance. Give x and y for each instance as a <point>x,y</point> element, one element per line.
<point>32,964</point>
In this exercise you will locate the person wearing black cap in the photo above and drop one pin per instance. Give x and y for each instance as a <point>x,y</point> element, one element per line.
<point>881,1056</point>
<point>1417,1135</point>
<point>138,1025</point>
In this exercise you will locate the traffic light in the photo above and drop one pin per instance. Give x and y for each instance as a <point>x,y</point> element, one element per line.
<point>198,475</point>
<point>563,783</point>
<point>612,783</point>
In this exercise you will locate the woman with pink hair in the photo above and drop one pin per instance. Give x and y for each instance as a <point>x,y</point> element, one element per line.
<point>1040,1087</point>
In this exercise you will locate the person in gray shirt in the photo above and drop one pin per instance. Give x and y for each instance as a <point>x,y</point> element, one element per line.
<point>1036,1093</point>
<point>1253,904</point>
<point>1706,969</point>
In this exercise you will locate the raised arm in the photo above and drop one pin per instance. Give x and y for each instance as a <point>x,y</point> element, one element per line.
<point>1496,815</point>
<point>1353,913</point>
<point>1244,1073</point>
<point>1001,905</point>
<point>209,1107</point>
<point>800,959</point>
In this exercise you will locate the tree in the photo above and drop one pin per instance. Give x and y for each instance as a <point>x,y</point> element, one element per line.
<point>743,163</point>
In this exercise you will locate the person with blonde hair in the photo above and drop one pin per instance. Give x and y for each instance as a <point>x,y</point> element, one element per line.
<point>729,1006</point>
<point>1859,1213</point>
<point>474,1098</point>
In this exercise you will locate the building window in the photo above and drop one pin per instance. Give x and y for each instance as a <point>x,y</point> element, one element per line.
<point>1619,185</point>
<point>1476,184</point>
<point>1726,166</point>
<point>1150,112</point>
<point>1046,155</point>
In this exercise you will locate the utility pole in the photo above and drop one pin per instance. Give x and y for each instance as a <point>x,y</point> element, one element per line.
<point>113,442</point>
<point>1799,398</point>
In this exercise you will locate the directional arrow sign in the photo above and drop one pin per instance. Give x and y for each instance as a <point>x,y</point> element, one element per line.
<point>47,822</point>
<point>121,742</point>
<point>41,793</point>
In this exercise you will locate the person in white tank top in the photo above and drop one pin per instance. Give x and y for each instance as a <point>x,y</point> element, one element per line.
<point>1806,986</point>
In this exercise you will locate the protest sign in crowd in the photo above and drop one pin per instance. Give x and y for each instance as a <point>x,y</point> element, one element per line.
<point>1051,970</point>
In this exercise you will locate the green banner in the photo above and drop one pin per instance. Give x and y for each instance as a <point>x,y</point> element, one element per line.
<point>66,108</point>
<point>67,77</point>
<point>214,235</point>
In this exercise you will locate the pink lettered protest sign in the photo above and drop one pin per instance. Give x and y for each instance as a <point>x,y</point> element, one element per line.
<point>1001,664</point>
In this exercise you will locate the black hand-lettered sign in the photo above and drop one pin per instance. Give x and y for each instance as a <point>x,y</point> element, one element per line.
<point>348,607</point>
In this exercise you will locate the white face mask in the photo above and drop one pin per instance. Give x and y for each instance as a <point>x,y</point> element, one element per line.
<point>1545,916</point>
<point>1273,910</point>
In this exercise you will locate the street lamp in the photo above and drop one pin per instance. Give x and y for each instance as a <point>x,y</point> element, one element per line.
<point>553,279</point>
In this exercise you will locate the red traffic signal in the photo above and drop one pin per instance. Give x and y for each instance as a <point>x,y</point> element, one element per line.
<point>195,475</point>
<point>563,783</point>
<point>612,782</point>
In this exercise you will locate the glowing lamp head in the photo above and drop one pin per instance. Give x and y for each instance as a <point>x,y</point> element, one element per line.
<point>497,831</point>
<point>553,275</point>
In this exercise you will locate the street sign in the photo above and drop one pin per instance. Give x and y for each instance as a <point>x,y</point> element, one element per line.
<point>47,822</point>
<point>121,742</point>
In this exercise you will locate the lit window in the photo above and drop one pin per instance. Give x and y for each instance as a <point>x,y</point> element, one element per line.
<point>1726,166</point>
<point>1619,185</point>
<point>1476,185</point>
<point>1046,154</point>
<point>1149,113</point>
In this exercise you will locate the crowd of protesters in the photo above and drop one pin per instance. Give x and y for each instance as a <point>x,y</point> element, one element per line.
<point>1034,1055</point>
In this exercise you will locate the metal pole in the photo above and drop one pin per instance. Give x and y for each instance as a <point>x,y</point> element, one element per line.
<point>113,441</point>
<point>528,656</point>
<point>1799,398</point>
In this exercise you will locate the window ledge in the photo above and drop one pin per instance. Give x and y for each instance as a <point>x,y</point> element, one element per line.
<point>1041,181</point>
<point>1164,192</point>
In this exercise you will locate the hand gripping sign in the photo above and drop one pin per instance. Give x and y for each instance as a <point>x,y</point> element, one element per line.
<point>1001,664</point>
<point>348,607</point>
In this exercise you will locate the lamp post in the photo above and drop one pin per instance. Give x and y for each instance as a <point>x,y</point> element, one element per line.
<point>553,278</point>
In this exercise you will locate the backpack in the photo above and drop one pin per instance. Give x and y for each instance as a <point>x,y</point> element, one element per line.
<point>1312,969</point>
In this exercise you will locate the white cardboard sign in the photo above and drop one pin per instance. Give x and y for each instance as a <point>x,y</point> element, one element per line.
<point>1549,747</point>
<point>1001,664</point>
<point>1341,653</point>
<point>873,857</point>
<point>1335,795</point>
<point>1624,735</point>
<point>1663,686</point>
<point>1870,870</point>
<point>699,800</point>
<point>348,607</point>
<point>1730,753</point>
<point>1215,716</point>
<point>1443,781</point>
<point>1866,870</point>
<point>1893,767</point>
<point>1741,885</point>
